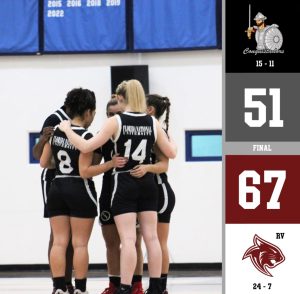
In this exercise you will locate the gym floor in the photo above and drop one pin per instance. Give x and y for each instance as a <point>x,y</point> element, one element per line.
<point>179,282</point>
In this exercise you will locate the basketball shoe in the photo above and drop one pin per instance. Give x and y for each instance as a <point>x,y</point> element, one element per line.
<point>77,291</point>
<point>137,288</point>
<point>59,291</point>
<point>110,290</point>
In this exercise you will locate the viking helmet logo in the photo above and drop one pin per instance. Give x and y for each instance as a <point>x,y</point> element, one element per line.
<point>264,255</point>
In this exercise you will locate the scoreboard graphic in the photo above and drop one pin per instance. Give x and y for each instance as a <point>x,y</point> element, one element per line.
<point>261,160</point>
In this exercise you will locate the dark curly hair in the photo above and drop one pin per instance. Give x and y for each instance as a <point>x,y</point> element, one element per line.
<point>79,100</point>
<point>161,105</point>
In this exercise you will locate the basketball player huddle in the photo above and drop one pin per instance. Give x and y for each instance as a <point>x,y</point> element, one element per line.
<point>136,200</point>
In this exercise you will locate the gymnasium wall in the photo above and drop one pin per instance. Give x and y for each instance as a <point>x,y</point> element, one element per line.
<point>32,87</point>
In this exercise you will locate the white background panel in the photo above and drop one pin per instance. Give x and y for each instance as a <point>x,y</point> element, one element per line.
<point>241,274</point>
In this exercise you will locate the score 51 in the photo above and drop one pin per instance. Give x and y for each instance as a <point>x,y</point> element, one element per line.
<point>261,107</point>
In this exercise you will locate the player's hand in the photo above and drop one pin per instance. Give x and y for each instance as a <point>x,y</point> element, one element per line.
<point>139,171</point>
<point>119,161</point>
<point>64,125</point>
<point>47,133</point>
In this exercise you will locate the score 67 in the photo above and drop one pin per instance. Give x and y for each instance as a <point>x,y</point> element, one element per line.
<point>269,175</point>
<point>262,189</point>
<point>261,107</point>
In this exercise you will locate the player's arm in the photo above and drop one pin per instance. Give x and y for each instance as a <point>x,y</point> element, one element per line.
<point>37,149</point>
<point>161,166</point>
<point>85,146</point>
<point>165,144</point>
<point>88,170</point>
<point>46,159</point>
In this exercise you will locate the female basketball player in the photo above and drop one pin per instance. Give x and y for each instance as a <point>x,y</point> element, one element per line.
<point>72,204</point>
<point>134,133</point>
<point>108,226</point>
<point>158,106</point>
<point>48,174</point>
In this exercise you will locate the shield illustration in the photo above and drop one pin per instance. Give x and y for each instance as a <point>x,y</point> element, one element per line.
<point>273,38</point>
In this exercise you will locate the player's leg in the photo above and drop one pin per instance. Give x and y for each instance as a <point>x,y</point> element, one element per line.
<point>163,234</point>
<point>126,224</point>
<point>148,223</point>
<point>50,244</point>
<point>61,234</point>
<point>166,205</point>
<point>137,287</point>
<point>111,238</point>
<point>81,229</point>
<point>112,243</point>
<point>46,179</point>
<point>69,266</point>
<point>82,202</point>
<point>124,207</point>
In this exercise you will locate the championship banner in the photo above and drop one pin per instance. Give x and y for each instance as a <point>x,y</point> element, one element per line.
<point>19,27</point>
<point>84,25</point>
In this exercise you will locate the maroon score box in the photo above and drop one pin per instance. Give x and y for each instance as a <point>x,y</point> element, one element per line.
<point>262,189</point>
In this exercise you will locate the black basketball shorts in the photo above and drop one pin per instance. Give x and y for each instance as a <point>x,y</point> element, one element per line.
<point>133,194</point>
<point>166,202</point>
<point>47,177</point>
<point>72,196</point>
<point>105,216</point>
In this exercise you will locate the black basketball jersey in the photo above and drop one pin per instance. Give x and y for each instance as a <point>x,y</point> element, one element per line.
<point>107,151</point>
<point>65,154</point>
<point>135,139</point>
<point>160,178</point>
<point>51,121</point>
<point>55,118</point>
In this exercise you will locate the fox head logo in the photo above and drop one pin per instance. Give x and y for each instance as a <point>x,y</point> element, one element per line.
<point>264,255</point>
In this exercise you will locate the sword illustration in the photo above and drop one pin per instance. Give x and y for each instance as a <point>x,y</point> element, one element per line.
<point>249,16</point>
<point>249,31</point>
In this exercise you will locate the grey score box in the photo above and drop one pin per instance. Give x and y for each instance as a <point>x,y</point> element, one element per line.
<point>273,116</point>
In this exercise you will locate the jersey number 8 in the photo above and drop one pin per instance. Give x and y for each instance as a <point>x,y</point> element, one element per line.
<point>65,162</point>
